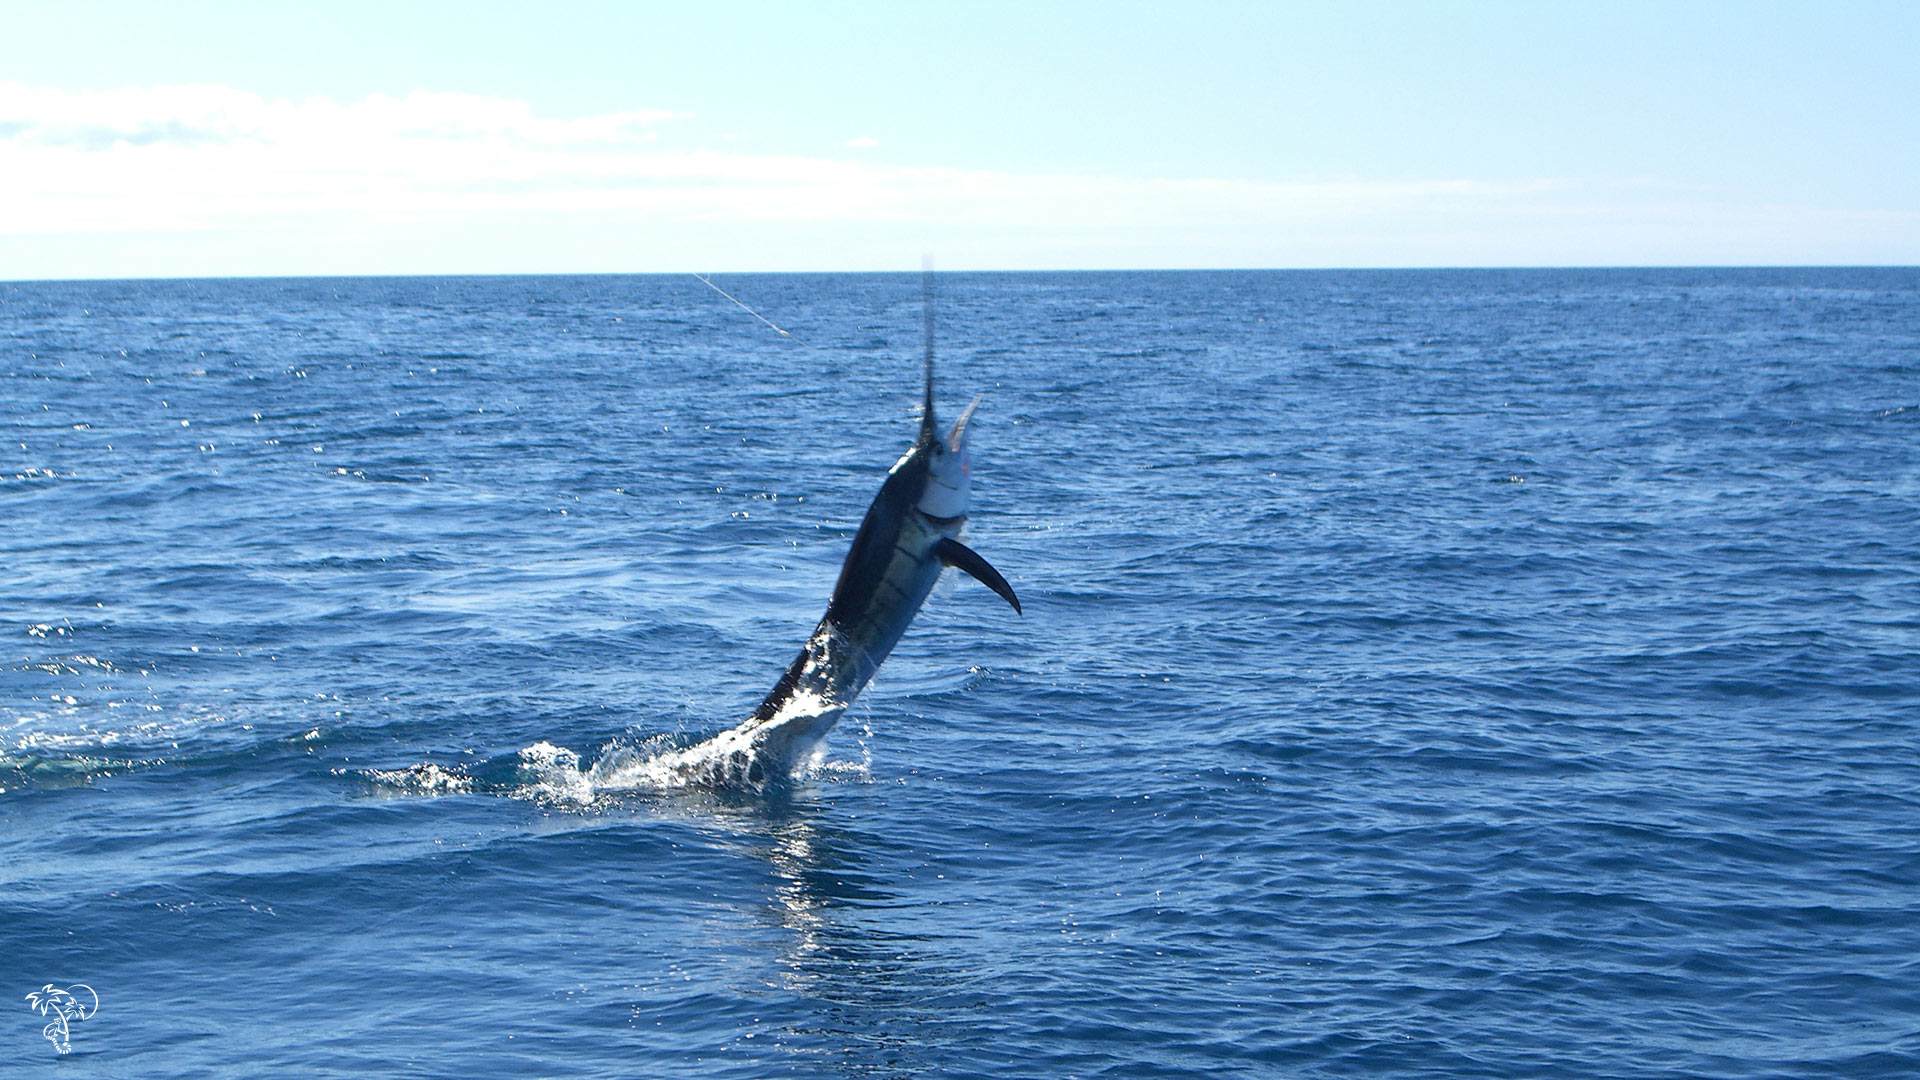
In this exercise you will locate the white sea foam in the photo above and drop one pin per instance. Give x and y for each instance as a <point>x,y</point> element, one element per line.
<point>751,757</point>
<point>424,779</point>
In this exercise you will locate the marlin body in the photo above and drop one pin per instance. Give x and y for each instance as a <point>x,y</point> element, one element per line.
<point>910,534</point>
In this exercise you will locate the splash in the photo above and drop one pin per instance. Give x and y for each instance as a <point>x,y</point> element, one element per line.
<point>423,779</point>
<point>763,753</point>
<point>753,758</point>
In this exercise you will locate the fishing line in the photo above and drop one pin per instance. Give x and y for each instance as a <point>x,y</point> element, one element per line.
<point>709,284</point>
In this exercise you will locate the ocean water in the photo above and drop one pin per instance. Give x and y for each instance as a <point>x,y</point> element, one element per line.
<point>1440,674</point>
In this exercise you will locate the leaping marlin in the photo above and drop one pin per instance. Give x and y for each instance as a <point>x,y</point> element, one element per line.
<point>910,533</point>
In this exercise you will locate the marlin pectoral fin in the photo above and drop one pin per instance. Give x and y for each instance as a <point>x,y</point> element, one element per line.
<point>961,557</point>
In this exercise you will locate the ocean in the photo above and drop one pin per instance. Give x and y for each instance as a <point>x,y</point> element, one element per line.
<point>1424,673</point>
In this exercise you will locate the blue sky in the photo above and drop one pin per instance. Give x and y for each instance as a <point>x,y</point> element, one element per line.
<point>192,139</point>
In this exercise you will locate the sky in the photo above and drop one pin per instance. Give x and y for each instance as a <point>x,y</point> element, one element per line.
<point>215,139</point>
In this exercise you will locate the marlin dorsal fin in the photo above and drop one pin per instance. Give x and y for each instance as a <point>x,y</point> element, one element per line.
<point>929,431</point>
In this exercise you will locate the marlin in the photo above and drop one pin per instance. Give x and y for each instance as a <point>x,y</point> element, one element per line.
<point>910,534</point>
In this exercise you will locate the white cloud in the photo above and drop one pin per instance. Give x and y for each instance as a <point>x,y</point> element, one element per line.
<point>341,186</point>
<point>176,158</point>
<point>206,113</point>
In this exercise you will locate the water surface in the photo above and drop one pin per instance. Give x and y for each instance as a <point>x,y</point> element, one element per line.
<point>1429,674</point>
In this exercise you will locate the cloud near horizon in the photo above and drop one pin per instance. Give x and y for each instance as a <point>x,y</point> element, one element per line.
<point>175,158</point>
<point>131,166</point>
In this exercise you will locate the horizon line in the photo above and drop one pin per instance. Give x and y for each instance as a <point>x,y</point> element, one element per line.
<point>916,273</point>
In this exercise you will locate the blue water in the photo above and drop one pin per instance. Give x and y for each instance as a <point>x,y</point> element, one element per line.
<point>1432,674</point>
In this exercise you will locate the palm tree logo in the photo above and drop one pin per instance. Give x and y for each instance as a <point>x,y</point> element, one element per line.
<point>70,1005</point>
